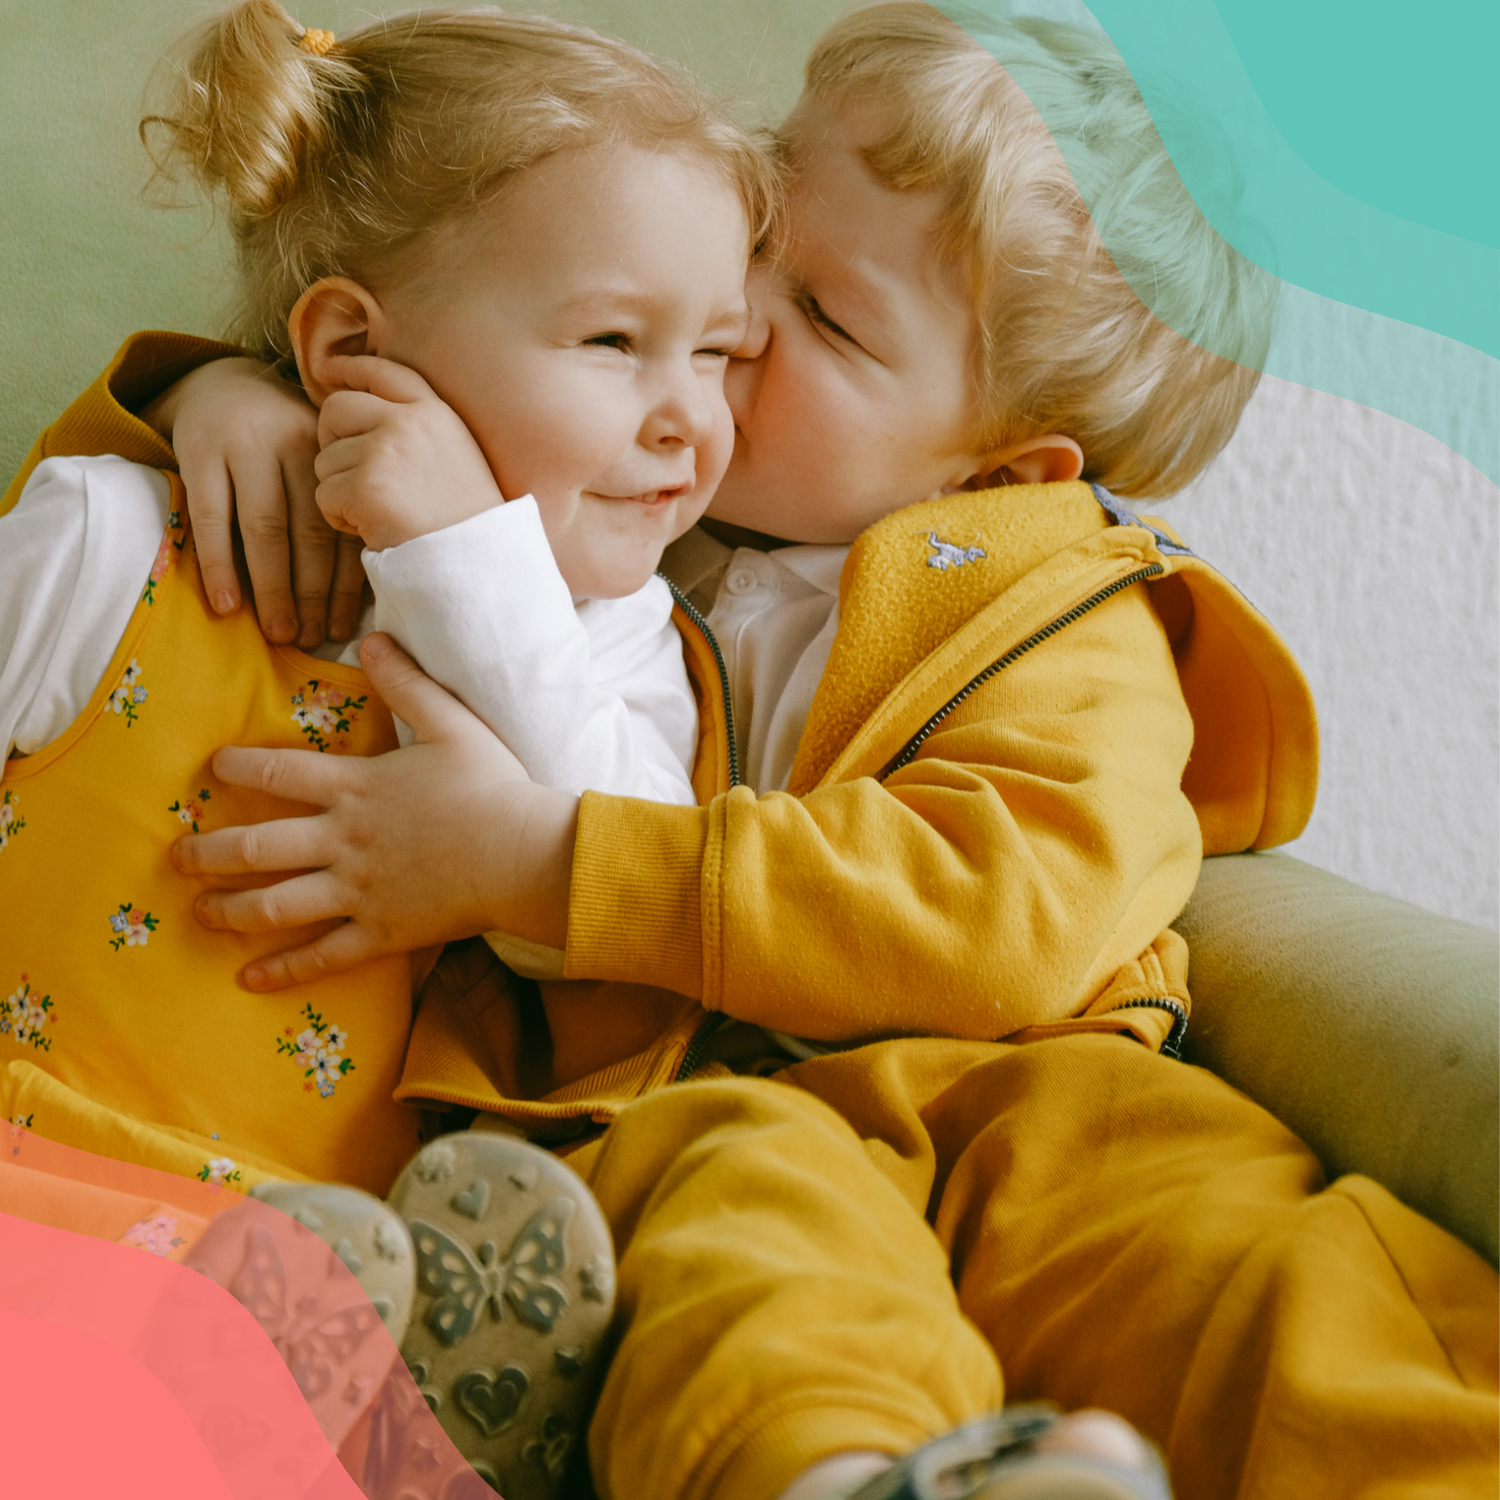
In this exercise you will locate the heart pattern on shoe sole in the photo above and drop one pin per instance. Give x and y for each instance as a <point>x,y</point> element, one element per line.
<point>473,1200</point>
<point>492,1402</point>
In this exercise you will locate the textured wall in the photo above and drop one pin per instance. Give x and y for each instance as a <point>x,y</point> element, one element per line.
<point>1374,549</point>
<point>1371,545</point>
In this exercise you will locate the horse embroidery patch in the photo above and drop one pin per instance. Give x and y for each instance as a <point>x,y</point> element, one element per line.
<point>945,555</point>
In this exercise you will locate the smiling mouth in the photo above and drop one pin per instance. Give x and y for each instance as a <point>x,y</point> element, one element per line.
<point>655,499</point>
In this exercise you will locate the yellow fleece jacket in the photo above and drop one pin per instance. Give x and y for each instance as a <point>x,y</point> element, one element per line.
<point>1008,776</point>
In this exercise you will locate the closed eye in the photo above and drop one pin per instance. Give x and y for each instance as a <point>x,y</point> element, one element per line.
<point>609,340</point>
<point>815,314</point>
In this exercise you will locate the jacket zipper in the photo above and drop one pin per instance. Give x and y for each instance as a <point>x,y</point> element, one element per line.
<point>692,612</point>
<point>1172,1047</point>
<point>715,1019</point>
<point>1151,570</point>
<point>708,1028</point>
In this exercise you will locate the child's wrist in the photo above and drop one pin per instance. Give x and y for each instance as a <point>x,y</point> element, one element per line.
<point>397,531</point>
<point>160,414</point>
<point>535,866</point>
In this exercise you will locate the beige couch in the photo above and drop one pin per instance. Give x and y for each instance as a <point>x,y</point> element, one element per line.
<point>1370,1027</point>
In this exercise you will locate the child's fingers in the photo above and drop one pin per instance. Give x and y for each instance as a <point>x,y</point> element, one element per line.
<point>298,775</point>
<point>210,503</point>
<point>343,948</point>
<point>282,844</point>
<point>380,377</point>
<point>350,414</point>
<point>345,472</point>
<point>432,712</point>
<point>348,589</point>
<point>314,549</point>
<point>345,502</point>
<point>289,903</point>
<point>261,504</point>
<point>341,455</point>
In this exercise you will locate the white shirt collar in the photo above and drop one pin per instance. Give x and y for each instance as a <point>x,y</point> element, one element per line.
<point>696,556</point>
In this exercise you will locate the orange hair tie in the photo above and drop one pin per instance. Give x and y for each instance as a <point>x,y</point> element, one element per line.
<point>319,43</point>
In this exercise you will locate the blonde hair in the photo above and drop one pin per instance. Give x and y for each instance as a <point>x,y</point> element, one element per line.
<point>341,164</point>
<point>1065,345</point>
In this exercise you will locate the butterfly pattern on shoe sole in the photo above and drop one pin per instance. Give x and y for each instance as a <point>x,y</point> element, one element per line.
<point>312,1346</point>
<point>462,1284</point>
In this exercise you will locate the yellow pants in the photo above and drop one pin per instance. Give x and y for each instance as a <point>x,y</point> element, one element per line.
<point>847,1256</point>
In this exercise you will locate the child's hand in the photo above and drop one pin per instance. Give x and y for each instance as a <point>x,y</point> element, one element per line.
<point>245,444</point>
<point>397,461</point>
<point>444,839</point>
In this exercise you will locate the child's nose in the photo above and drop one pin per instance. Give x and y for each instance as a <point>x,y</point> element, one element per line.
<point>683,416</point>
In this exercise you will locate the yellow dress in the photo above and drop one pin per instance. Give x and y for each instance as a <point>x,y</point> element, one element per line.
<point>124,1029</point>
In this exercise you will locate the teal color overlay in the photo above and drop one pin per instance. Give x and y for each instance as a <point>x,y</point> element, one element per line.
<point>1394,105</point>
<point>1382,219</point>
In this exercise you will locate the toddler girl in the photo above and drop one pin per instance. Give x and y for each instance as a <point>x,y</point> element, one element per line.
<point>507,257</point>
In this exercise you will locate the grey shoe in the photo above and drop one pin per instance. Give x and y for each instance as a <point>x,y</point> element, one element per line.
<point>515,1287</point>
<point>996,1458</point>
<point>329,1274</point>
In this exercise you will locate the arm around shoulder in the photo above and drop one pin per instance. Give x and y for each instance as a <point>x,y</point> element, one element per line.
<point>103,419</point>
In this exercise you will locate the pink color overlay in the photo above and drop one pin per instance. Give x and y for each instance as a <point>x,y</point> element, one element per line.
<point>130,1374</point>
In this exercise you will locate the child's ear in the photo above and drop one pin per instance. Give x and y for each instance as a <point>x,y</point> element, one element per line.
<point>1050,459</point>
<point>334,317</point>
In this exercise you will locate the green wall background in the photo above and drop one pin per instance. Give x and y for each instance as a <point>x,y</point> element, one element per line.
<point>85,262</point>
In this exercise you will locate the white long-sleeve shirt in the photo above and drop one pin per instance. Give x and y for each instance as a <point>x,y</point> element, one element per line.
<point>592,695</point>
<point>74,554</point>
<point>589,694</point>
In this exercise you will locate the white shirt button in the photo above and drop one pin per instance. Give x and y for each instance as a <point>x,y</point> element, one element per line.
<point>741,581</point>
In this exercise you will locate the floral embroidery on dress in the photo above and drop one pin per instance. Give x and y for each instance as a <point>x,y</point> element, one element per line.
<point>325,712</point>
<point>24,1015</point>
<point>20,1122</point>
<point>318,1051</point>
<point>218,1170</point>
<point>11,822</point>
<point>129,696</point>
<point>132,927</point>
<point>190,810</point>
<point>166,555</point>
<point>157,1234</point>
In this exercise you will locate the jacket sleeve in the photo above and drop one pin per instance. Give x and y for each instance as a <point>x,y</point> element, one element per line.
<point>102,420</point>
<point>1039,843</point>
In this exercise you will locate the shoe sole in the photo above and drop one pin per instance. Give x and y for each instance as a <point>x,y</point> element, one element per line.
<point>514,1292</point>
<point>328,1273</point>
